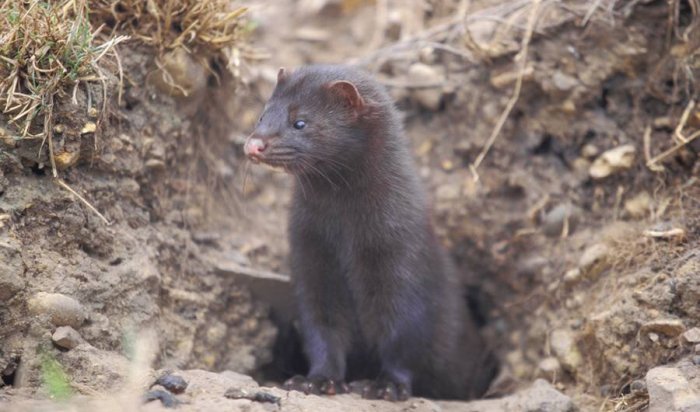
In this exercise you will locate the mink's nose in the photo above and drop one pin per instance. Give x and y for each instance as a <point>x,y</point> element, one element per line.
<point>254,147</point>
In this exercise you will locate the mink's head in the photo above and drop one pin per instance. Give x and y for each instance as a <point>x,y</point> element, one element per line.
<point>320,120</point>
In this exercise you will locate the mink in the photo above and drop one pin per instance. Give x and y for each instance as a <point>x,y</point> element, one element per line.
<point>375,289</point>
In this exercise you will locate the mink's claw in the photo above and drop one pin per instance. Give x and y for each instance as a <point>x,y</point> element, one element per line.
<point>381,389</point>
<point>315,385</point>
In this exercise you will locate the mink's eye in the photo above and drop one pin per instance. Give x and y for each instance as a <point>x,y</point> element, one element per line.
<point>299,124</point>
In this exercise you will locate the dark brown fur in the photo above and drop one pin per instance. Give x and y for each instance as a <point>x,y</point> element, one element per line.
<point>372,282</point>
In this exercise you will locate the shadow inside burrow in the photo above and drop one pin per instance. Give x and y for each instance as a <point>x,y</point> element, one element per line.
<point>288,358</point>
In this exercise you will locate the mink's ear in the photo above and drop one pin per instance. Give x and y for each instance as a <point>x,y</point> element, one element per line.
<point>347,92</point>
<point>282,75</point>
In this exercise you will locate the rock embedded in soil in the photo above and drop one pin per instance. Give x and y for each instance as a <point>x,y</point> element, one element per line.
<point>257,396</point>
<point>173,383</point>
<point>541,397</point>
<point>66,337</point>
<point>563,81</point>
<point>613,161</point>
<point>62,310</point>
<point>671,391</point>
<point>166,398</point>
<point>639,205</point>
<point>549,367</point>
<point>692,335</point>
<point>12,279</point>
<point>667,327</point>
<point>594,260</point>
<point>564,347</point>
<point>687,285</point>
<point>572,276</point>
<point>589,151</point>
<point>423,74</point>
<point>554,221</point>
<point>638,386</point>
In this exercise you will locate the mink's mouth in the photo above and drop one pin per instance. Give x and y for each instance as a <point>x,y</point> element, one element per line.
<point>285,160</point>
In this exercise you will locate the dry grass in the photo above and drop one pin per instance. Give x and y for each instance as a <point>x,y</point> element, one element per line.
<point>48,48</point>
<point>45,49</point>
<point>202,27</point>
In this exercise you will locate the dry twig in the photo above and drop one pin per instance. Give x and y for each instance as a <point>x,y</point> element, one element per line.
<point>521,57</point>
<point>64,185</point>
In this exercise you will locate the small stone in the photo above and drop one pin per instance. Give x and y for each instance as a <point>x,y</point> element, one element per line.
<point>613,161</point>
<point>12,279</point>
<point>59,128</point>
<point>261,396</point>
<point>692,335</point>
<point>66,337</point>
<point>589,151</point>
<point>430,96</point>
<point>549,367</point>
<point>572,276</point>
<point>61,309</point>
<point>564,347</point>
<point>638,386</point>
<point>654,337</point>
<point>670,391</point>
<point>173,383</point>
<point>90,127</point>
<point>541,396</point>
<point>237,393</point>
<point>155,164</point>
<point>568,106</point>
<point>166,398</point>
<point>639,205</point>
<point>92,113</point>
<point>667,327</point>
<point>563,81</point>
<point>64,160</point>
<point>563,215</point>
<point>594,260</point>
<point>257,396</point>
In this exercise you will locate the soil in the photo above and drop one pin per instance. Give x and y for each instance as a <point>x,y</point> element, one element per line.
<point>577,278</point>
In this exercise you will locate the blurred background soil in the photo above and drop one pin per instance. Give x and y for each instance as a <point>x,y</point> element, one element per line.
<point>558,140</point>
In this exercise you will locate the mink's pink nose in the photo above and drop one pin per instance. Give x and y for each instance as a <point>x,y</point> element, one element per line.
<point>254,147</point>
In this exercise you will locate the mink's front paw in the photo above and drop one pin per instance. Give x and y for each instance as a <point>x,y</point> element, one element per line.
<point>381,389</point>
<point>315,385</point>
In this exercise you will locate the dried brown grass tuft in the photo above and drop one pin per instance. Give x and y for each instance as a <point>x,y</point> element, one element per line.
<point>202,27</point>
<point>45,49</point>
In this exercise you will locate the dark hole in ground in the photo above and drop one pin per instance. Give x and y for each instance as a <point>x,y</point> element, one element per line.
<point>9,374</point>
<point>38,170</point>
